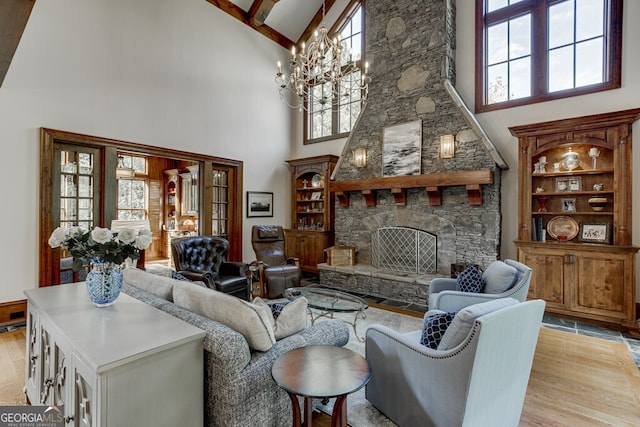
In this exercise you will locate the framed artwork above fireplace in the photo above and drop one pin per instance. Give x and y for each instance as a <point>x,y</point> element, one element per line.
<point>401,149</point>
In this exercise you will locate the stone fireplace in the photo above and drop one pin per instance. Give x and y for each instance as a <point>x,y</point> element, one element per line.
<point>411,48</point>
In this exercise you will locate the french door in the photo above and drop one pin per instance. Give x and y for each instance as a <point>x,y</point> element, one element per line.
<point>78,187</point>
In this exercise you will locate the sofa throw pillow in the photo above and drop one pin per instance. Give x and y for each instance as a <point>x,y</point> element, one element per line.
<point>499,277</point>
<point>158,285</point>
<point>434,329</point>
<point>463,321</point>
<point>251,320</point>
<point>291,317</point>
<point>470,280</point>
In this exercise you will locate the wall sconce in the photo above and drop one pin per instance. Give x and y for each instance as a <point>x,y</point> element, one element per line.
<point>360,157</point>
<point>447,146</point>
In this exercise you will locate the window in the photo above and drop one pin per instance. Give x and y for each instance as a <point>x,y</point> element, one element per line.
<point>132,191</point>
<point>336,117</point>
<point>531,51</point>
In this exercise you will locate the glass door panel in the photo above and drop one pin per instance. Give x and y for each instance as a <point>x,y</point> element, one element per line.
<point>220,204</point>
<point>74,199</point>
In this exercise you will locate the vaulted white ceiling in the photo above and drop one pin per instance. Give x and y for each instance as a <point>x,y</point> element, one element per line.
<point>284,21</point>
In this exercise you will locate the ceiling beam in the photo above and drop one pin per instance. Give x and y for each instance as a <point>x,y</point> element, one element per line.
<point>242,16</point>
<point>14,15</point>
<point>259,11</point>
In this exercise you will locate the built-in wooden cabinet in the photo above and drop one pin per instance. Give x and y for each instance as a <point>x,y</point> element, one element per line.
<point>574,215</point>
<point>313,207</point>
<point>308,247</point>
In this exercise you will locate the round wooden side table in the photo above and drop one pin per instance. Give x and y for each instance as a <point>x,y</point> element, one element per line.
<point>320,371</point>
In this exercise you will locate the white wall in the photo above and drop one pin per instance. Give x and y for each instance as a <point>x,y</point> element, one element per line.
<point>169,73</point>
<point>496,123</point>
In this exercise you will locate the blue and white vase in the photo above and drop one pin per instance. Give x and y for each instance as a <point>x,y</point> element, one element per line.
<point>104,283</point>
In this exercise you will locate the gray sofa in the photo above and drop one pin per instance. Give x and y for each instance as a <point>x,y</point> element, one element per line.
<point>238,387</point>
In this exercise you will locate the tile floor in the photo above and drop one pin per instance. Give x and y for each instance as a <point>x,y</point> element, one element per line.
<point>632,343</point>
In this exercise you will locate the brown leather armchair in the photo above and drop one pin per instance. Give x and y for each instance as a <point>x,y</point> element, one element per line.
<point>203,258</point>
<point>276,272</point>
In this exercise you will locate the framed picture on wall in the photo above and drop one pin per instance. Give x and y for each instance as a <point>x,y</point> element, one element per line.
<point>401,149</point>
<point>259,204</point>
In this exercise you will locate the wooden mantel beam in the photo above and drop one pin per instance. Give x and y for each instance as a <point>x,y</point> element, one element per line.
<point>431,183</point>
<point>442,179</point>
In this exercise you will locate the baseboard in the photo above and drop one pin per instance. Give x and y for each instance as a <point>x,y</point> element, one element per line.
<point>13,312</point>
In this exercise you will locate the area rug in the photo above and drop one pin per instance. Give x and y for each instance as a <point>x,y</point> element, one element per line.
<point>360,413</point>
<point>575,379</point>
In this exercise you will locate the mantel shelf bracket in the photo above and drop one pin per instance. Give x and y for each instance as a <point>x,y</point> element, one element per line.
<point>369,197</point>
<point>399,196</point>
<point>474,194</point>
<point>435,196</point>
<point>343,198</point>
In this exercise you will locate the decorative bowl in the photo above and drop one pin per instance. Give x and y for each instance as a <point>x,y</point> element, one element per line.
<point>598,203</point>
<point>570,160</point>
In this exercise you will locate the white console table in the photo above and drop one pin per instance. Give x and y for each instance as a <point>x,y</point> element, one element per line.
<point>129,364</point>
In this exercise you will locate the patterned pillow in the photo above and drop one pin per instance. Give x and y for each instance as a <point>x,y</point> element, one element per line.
<point>470,280</point>
<point>177,276</point>
<point>277,307</point>
<point>434,328</point>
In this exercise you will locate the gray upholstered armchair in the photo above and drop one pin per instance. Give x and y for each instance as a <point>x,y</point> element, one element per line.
<point>510,277</point>
<point>481,381</point>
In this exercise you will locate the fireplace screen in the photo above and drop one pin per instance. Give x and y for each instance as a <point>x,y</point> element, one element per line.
<point>403,249</point>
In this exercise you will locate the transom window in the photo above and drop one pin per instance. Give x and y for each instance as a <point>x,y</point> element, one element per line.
<point>530,51</point>
<point>336,117</point>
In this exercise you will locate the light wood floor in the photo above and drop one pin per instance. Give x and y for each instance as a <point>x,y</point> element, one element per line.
<point>575,381</point>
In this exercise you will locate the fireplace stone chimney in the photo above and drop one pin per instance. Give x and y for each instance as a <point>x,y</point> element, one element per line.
<point>411,50</point>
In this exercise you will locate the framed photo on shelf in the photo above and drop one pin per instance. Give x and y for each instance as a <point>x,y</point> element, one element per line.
<point>575,184</point>
<point>316,195</point>
<point>568,205</point>
<point>562,185</point>
<point>596,233</point>
<point>259,204</point>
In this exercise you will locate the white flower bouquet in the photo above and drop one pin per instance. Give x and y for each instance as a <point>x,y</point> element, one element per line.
<point>100,244</point>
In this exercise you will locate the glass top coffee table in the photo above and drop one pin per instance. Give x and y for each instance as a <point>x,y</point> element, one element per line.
<point>329,301</point>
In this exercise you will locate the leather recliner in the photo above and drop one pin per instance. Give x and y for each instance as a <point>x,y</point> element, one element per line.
<point>203,258</point>
<point>276,271</point>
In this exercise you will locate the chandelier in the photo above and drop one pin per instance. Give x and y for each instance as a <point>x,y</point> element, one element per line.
<point>321,74</point>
